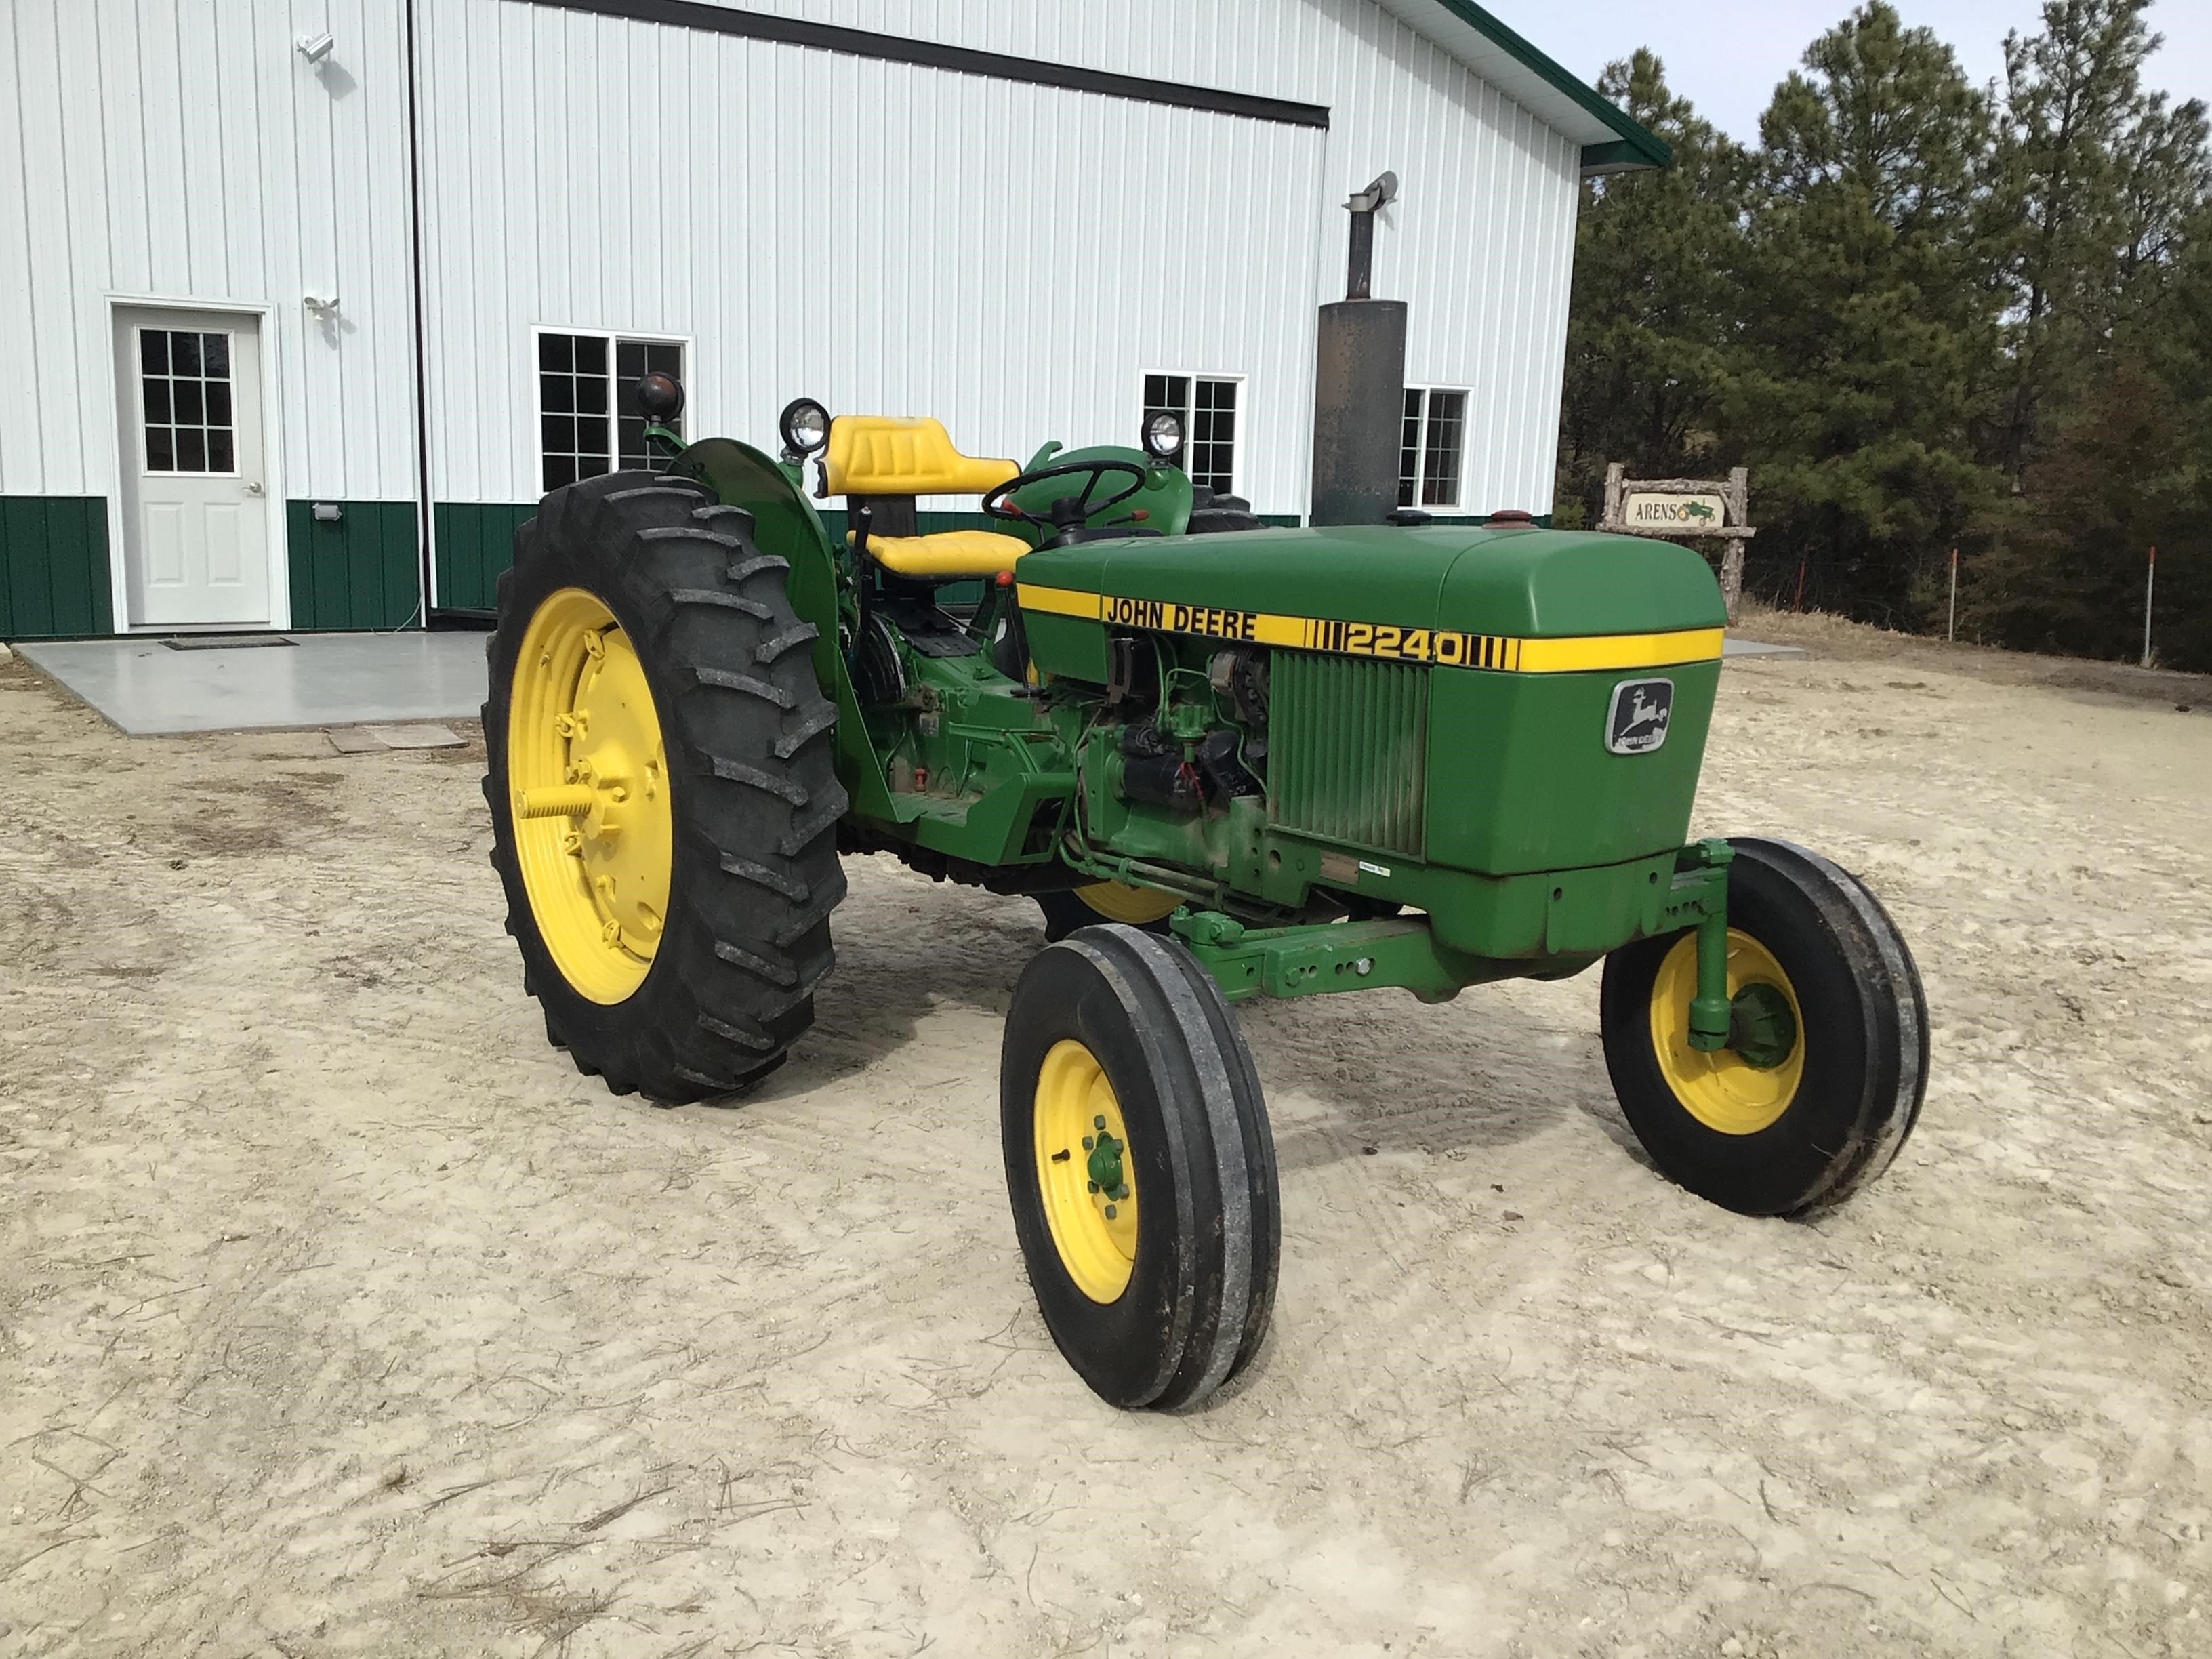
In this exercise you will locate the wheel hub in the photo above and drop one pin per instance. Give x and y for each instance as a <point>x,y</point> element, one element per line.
<point>1083,1171</point>
<point>1745,1087</point>
<point>587,775</point>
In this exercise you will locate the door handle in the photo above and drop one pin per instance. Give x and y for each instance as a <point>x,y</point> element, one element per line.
<point>253,488</point>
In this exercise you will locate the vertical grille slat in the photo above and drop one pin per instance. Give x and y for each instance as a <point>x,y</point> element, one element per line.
<point>1349,738</point>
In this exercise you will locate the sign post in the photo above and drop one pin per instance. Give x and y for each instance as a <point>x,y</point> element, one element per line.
<point>1685,510</point>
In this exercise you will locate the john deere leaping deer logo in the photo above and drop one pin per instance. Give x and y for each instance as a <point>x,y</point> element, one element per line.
<point>1636,724</point>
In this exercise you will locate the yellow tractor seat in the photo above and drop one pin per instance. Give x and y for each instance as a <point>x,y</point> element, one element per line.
<point>949,554</point>
<point>884,455</point>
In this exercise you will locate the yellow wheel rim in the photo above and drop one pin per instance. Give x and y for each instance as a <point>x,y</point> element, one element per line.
<point>1118,901</point>
<point>1081,1148</point>
<point>588,785</point>
<point>1717,1086</point>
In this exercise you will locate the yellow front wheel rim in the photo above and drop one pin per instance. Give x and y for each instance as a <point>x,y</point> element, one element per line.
<point>1717,1086</point>
<point>587,796</point>
<point>1118,901</point>
<point>1083,1171</point>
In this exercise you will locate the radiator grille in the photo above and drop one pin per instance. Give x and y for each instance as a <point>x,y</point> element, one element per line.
<point>1347,740</point>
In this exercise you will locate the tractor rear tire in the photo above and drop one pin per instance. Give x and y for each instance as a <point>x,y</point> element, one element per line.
<point>1799,1126</point>
<point>1158,1285</point>
<point>651,573</point>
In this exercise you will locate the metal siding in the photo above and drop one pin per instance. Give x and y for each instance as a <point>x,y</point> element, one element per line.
<point>1479,244</point>
<point>883,268</point>
<point>183,149</point>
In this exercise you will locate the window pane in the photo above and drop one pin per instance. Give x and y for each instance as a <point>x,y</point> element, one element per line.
<point>216,349</point>
<point>665,357</point>
<point>160,450</point>
<point>184,353</point>
<point>559,469</point>
<point>192,449</point>
<point>218,403</point>
<point>1211,462</point>
<point>556,353</point>
<point>592,443</point>
<point>555,394</point>
<point>1440,460</point>
<point>591,355</point>
<point>191,411</point>
<point>157,399</point>
<point>630,359</point>
<point>591,394</point>
<point>556,434</point>
<point>154,351</point>
<point>219,453</point>
<point>591,466</point>
<point>1409,448</point>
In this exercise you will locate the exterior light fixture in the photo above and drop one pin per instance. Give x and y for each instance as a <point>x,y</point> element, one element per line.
<point>316,47</point>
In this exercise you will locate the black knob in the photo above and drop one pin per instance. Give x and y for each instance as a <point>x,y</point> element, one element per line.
<point>659,398</point>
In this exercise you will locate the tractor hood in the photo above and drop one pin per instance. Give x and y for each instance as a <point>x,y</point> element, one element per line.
<point>1516,582</point>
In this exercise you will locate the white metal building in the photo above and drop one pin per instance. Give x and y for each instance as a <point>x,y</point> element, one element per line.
<point>304,302</point>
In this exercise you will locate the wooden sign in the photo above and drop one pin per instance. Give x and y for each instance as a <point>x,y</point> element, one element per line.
<point>1675,515</point>
<point>1685,510</point>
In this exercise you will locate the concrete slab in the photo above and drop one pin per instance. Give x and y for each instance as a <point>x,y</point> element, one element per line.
<point>147,689</point>
<point>1753,648</point>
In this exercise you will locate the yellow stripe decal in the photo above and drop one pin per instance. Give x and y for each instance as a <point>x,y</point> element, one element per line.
<point>1058,601</point>
<point>1435,645</point>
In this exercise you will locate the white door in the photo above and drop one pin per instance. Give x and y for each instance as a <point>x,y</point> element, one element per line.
<point>195,502</point>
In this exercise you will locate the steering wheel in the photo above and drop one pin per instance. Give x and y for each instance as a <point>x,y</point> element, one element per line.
<point>1066,512</point>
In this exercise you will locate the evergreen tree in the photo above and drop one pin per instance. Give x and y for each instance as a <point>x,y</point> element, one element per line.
<point>1868,319</point>
<point>1650,323</point>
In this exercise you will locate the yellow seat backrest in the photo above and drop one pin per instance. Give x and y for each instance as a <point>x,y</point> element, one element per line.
<point>884,455</point>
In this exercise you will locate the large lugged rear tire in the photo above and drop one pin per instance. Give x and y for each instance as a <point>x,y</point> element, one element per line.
<point>663,802</point>
<point>1139,1167</point>
<point>1828,1057</point>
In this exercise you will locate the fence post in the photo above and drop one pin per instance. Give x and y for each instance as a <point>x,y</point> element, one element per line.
<point>1951,629</point>
<point>2150,581</point>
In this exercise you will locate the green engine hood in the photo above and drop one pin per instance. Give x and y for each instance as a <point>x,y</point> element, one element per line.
<point>1517,582</point>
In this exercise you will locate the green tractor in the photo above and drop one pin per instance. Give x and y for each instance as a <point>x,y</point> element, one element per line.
<point>1278,762</point>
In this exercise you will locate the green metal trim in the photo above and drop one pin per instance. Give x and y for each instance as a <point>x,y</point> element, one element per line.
<point>1618,157</point>
<point>475,543</point>
<point>1637,146</point>
<point>363,570</point>
<point>54,581</point>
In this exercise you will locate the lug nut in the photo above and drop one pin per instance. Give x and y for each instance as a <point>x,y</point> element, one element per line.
<point>1109,1213</point>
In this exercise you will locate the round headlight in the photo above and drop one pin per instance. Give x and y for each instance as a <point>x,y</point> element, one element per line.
<point>1163,435</point>
<point>806,426</point>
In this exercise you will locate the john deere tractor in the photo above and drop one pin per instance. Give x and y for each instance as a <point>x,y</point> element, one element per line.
<point>1285,763</point>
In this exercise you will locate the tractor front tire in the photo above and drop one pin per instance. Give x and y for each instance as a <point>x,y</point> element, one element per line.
<point>664,807</point>
<point>1828,1059</point>
<point>1139,1167</point>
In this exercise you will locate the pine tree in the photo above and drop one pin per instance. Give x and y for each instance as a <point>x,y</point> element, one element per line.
<point>1654,303</point>
<point>1868,320</point>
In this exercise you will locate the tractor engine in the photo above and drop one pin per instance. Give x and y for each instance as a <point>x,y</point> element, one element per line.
<point>1445,720</point>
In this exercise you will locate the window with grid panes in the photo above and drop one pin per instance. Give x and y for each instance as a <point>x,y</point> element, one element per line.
<point>588,420</point>
<point>1431,441</point>
<point>185,377</point>
<point>1206,406</point>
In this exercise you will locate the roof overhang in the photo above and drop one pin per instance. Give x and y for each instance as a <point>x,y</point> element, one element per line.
<point>1611,141</point>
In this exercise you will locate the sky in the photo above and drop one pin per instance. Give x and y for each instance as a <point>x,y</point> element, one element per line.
<point>1726,56</point>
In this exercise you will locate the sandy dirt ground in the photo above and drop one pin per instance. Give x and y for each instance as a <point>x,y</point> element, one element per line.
<point>338,1315</point>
